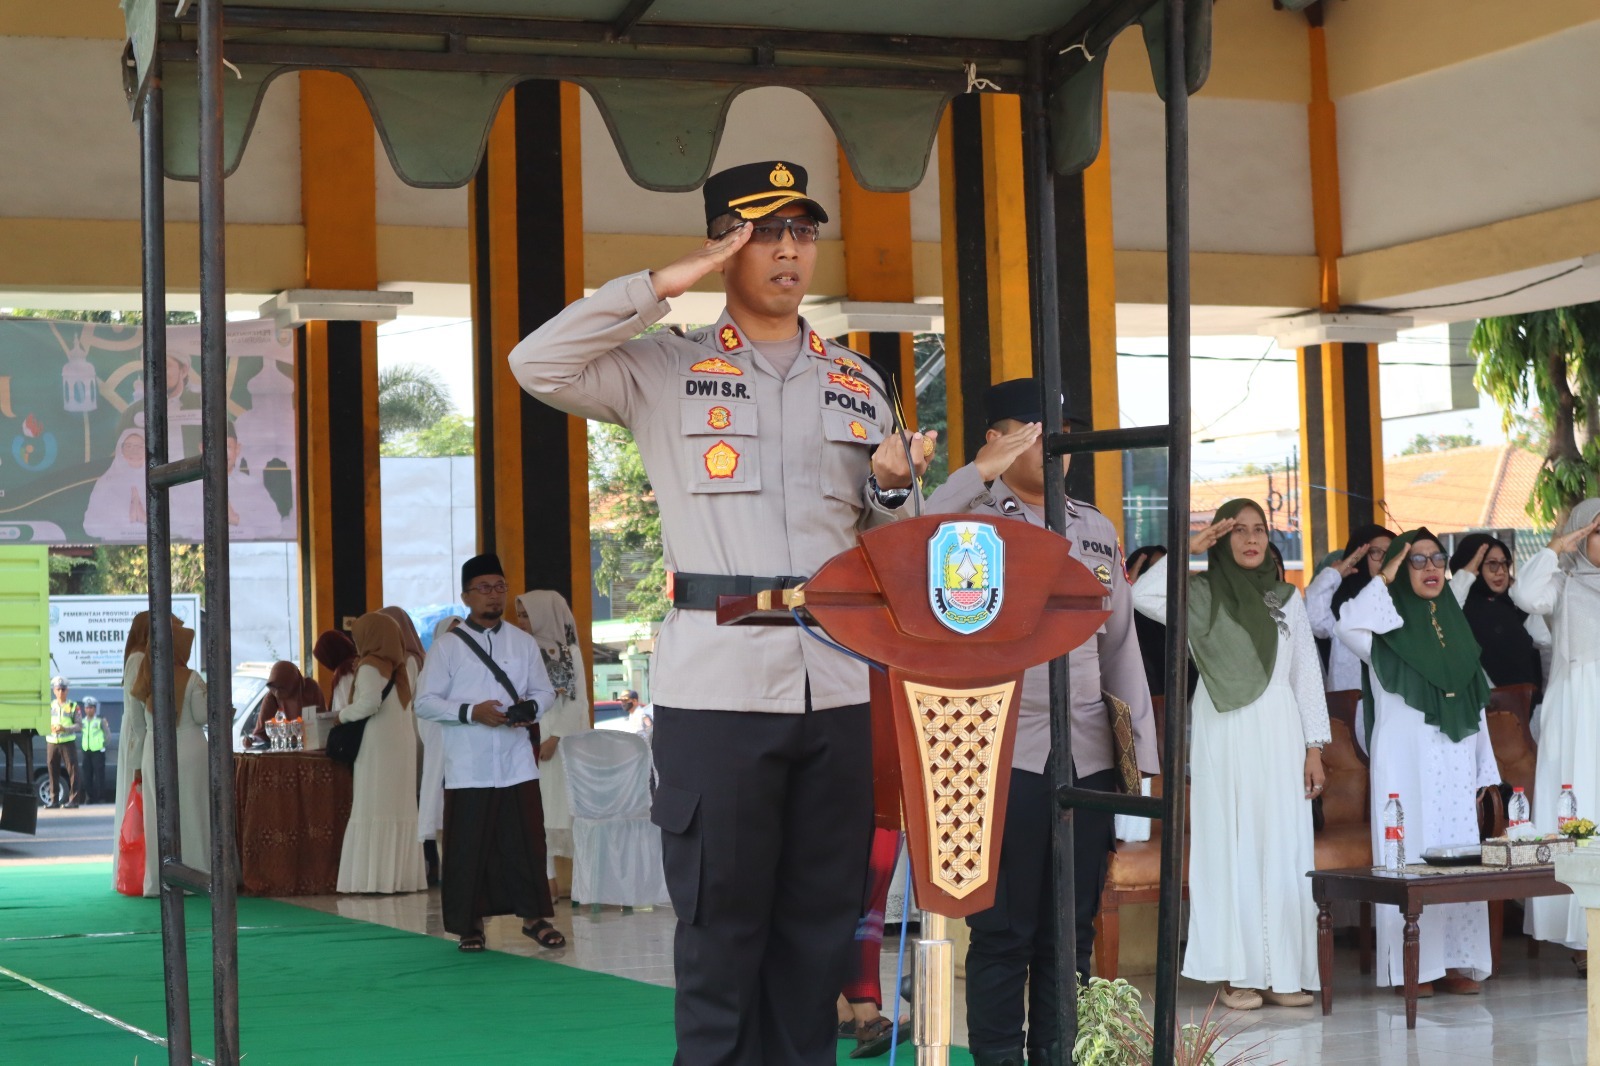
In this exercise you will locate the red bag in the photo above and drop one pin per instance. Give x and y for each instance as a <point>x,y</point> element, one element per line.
<point>130,845</point>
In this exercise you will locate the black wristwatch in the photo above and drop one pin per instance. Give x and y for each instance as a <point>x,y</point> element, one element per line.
<point>890,498</point>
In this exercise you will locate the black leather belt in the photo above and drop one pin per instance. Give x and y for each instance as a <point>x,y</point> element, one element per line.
<point>699,592</point>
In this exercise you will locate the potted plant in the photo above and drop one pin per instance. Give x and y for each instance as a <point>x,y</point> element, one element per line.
<point>1113,1031</point>
<point>1579,830</point>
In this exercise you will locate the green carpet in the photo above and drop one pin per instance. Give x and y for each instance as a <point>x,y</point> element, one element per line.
<point>315,988</point>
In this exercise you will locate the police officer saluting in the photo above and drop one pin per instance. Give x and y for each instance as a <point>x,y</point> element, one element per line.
<point>768,448</point>
<point>1013,943</point>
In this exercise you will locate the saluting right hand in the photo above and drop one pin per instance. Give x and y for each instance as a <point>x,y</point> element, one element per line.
<point>996,457</point>
<point>1392,567</point>
<point>1477,559</point>
<point>1202,542</point>
<point>1355,560</point>
<point>680,275</point>
<point>1566,542</point>
<point>488,713</point>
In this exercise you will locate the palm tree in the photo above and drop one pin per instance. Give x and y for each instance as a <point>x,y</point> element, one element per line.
<point>1552,357</point>
<point>410,398</point>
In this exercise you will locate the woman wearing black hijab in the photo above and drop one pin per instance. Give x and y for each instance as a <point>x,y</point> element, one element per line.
<point>1510,638</point>
<point>1335,586</point>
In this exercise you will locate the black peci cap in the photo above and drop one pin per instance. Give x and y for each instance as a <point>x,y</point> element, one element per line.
<point>755,190</point>
<point>1020,399</point>
<point>481,566</point>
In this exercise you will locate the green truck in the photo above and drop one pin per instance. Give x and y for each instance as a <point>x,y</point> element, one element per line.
<point>24,677</point>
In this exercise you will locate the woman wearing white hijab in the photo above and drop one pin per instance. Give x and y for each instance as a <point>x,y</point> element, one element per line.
<point>546,616</point>
<point>131,734</point>
<point>1562,583</point>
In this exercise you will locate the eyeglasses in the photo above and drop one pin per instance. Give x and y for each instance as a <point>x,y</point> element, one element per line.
<point>1376,554</point>
<point>1494,567</point>
<point>484,590</point>
<point>771,230</point>
<point>1421,562</point>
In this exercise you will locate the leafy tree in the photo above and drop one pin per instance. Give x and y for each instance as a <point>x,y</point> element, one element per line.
<point>621,491</point>
<point>115,318</point>
<point>932,404</point>
<point>1423,443</point>
<point>451,435</point>
<point>123,570</point>
<point>1552,357</point>
<point>411,398</point>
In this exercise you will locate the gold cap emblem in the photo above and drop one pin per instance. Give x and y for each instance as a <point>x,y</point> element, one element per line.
<point>780,177</point>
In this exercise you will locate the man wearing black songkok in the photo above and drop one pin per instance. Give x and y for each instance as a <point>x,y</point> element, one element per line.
<point>485,682</point>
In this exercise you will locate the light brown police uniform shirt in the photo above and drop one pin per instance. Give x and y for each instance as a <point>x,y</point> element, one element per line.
<point>754,474</point>
<point>1108,662</point>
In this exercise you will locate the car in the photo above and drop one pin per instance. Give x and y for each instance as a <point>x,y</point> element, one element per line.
<point>110,700</point>
<point>608,711</point>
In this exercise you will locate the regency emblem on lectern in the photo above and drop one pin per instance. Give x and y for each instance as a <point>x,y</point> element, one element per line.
<point>966,572</point>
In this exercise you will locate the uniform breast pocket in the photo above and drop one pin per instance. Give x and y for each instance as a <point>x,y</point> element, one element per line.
<point>847,455</point>
<point>720,445</point>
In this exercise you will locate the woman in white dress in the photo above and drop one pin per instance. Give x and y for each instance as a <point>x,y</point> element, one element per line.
<point>131,732</point>
<point>380,852</point>
<point>546,616</point>
<point>1429,743</point>
<point>1260,720</point>
<point>1337,585</point>
<point>194,787</point>
<point>1562,583</point>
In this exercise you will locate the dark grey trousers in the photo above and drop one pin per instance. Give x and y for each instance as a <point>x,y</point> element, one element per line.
<point>766,824</point>
<point>1013,942</point>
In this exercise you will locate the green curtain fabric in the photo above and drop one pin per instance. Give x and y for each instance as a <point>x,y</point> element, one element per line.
<point>434,124</point>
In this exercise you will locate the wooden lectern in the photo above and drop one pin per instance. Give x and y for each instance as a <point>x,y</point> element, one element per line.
<point>955,608</point>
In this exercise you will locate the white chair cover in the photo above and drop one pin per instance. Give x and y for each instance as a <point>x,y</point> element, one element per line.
<point>1131,827</point>
<point>616,849</point>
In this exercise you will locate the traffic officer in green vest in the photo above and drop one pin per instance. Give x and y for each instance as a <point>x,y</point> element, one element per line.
<point>62,743</point>
<point>94,751</point>
<point>1011,970</point>
<point>769,448</point>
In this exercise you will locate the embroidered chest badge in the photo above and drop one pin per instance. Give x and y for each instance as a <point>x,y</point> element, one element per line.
<point>721,461</point>
<point>728,337</point>
<point>845,381</point>
<point>1103,572</point>
<point>719,418</point>
<point>966,573</point>
<point>716,365</point>
<point>858,431</point>
<point>846,362</point>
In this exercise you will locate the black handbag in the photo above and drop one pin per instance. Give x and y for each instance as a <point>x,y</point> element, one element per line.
<point>344,739</point>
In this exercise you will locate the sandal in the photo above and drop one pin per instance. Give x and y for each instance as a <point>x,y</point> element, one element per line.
<point>546,934</point>
<point>471,943</point>
<point>874,1038</point>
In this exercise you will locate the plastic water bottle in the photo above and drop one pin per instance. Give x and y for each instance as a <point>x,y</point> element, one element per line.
<point>1566,807</point>
<point>1394,834</point>
<point>1517,811</point>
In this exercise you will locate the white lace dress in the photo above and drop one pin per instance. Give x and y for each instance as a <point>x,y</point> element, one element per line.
<point>1438,781</point>
<point>194,787</point>
<point>1252,922</point>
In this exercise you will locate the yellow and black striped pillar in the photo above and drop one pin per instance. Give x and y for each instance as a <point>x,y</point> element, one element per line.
<point>1341,422</point>
<point>877,269</point>
<point>1086,272</point>
<point>526,245</point>
<point>984,233</point>
<point>341,535</point>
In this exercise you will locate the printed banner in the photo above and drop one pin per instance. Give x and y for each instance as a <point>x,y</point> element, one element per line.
<point>87,634</point>
<point>72,432</point>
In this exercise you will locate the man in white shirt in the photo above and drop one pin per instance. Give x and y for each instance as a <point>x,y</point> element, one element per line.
<point>494,854</point>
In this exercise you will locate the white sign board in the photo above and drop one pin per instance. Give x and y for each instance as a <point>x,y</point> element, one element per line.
<point>87,634</point>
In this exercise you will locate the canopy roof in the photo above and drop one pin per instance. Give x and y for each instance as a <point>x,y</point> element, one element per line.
<point>663,72</point>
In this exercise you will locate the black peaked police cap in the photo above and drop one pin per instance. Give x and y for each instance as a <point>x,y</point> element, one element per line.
<point>756,190</point>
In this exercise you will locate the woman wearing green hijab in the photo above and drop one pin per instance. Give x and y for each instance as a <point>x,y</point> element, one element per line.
<point>1260,720</point>
<point>1425,695</point>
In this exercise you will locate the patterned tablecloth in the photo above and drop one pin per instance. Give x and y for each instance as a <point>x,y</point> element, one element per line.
<point>292,810</point>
